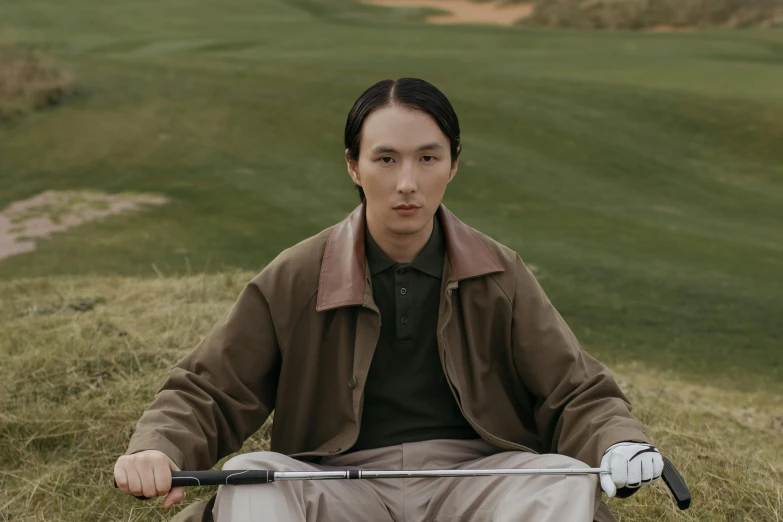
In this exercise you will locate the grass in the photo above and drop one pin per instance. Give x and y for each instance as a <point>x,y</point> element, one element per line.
<point>28,81</point>
<point>643,14</point>
<point>82,357</point>
<point>641,173</point>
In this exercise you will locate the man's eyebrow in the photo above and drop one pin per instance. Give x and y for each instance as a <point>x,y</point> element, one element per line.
<point>388,148</point>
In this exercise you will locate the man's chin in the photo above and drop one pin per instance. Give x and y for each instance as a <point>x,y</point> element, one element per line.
<point>407,227</point>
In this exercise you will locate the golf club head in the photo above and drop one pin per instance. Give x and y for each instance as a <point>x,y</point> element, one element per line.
<point>676,484</point>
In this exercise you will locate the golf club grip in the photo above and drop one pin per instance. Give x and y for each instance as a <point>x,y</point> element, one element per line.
<point>181,479</point>
<point>221,477</point>
<point>676,484</point>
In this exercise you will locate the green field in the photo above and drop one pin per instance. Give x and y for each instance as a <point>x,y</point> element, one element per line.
<point>640,173</point>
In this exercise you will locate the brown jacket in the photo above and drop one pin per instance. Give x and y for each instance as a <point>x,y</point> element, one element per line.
<point>301,335</point>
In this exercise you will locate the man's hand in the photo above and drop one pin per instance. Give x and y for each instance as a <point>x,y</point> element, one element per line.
<point>632,464</point>
<point>148,473</point>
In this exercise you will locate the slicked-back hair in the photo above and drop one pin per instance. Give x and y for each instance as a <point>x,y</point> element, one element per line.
<point>412,93</point>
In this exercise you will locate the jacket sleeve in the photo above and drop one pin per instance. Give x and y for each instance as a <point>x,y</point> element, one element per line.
<point>580,409</point>
<point>219,394</point>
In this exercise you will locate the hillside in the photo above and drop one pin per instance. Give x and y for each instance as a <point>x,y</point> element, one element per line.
<point>657,14</point>
<point>640,173</point>
<point>82,357</point>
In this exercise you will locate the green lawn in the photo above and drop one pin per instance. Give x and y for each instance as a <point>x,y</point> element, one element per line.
<point>642,174</point>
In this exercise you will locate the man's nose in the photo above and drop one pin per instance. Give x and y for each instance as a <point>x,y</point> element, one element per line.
<point>406,182</point>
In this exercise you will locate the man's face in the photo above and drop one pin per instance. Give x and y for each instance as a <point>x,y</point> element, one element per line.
<point>404,167</point>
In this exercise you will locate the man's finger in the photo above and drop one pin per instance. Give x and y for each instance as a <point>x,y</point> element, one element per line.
<point>657,466</point>
<point>121,478</point>
<point>634,473</point>
<point>619,467</point>
<point>162,476</point>
<point>175,496</point>
<point>174,467</point>
<point>134,482</point>
<point>147,482</point>
<point>607,484</point>
<point>647,470</point>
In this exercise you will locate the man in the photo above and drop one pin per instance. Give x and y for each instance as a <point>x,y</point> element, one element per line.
<point>399,338</point>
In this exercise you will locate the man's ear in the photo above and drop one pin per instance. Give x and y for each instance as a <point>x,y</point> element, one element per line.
<point>453,172</point>
<point>352,171</point>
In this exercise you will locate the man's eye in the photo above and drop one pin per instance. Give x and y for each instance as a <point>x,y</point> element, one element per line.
<point>428,159</point>
<point>384,158</point>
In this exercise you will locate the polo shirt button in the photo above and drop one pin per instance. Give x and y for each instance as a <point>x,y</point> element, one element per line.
<point>352,381</point>
<point>403,291</point>
<point>404,320</point>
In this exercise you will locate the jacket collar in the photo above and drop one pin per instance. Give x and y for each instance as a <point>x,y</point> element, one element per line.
<point>343,280</point>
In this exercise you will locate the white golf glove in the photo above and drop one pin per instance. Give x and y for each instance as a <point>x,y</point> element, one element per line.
<point>632,464</point>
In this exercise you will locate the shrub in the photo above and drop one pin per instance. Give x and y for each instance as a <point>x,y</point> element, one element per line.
<point>28,81</point>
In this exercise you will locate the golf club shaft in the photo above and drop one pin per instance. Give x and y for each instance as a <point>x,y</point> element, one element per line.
<point>362,474</point>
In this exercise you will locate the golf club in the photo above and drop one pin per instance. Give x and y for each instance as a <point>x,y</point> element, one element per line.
<point>671,477</point>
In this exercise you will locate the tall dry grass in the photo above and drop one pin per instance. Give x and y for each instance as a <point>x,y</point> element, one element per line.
<point>82,358</point>
<point>644,14</point>
<point>30,81</point>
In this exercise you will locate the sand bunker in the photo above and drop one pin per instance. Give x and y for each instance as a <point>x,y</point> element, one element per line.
<point>665,28</point>
<point>55,211</point>
<point>466,12</point>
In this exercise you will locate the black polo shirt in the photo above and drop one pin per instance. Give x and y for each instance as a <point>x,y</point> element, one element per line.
<point>407,397</point>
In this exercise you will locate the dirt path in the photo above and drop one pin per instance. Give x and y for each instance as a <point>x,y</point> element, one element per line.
<point>52,211</point>
<point>466,12</point>
<point>665,28</point>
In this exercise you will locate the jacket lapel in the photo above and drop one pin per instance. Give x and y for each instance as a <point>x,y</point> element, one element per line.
<point>467,254</point>
<point>343,268</point>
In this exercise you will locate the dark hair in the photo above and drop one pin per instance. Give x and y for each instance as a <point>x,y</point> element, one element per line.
<point>412,93</point>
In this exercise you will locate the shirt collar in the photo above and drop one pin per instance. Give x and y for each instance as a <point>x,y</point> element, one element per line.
<point>377,259</point>
<point>429,260</point>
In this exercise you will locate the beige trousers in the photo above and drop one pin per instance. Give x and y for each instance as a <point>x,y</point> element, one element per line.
<point>540,498</point>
